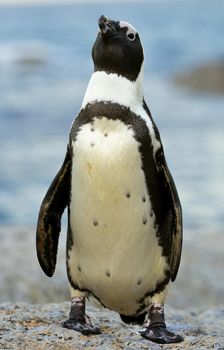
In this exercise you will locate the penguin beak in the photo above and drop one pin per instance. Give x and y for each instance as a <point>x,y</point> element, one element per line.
<point>107,27</point>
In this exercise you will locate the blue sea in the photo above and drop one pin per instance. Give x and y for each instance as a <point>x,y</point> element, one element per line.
<point>45,66</point>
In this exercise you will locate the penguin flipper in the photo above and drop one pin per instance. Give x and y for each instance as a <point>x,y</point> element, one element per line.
<point>176,225</point>
<point>174,203</point>
<point>49,220</point>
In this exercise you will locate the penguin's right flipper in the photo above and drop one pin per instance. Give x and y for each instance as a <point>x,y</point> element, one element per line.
<point>49,220</point>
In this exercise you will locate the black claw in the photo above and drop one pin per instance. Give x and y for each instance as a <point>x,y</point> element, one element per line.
<point>161,335</point>
<point>81,327</point>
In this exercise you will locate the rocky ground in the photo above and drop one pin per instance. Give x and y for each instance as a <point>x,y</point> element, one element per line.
<point>207,77</point>
<point>24,326</point>
<point>195,306</point>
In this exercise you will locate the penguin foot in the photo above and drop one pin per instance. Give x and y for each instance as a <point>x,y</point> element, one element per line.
<point>161,335</point>
<point>78,320</point>
<point>82,326</point>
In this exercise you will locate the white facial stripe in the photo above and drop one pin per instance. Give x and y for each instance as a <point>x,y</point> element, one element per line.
<point>131,29</point>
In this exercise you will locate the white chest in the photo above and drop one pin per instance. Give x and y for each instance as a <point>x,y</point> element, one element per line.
<point>115,252</point>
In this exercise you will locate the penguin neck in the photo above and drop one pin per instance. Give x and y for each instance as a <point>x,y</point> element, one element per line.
<point>111,87</point>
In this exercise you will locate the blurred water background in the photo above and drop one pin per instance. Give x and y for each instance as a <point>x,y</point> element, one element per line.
<point>45,66</point>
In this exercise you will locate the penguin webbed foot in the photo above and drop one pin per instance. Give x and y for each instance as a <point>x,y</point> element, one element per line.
<point>161,335</point>
<point>78,320</point>
<point>84,327</point>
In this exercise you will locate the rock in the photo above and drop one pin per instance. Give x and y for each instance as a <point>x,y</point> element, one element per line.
<point>31,54</point>
<point>208,77</point>
<point>27,326</point>
<point>24,54</point>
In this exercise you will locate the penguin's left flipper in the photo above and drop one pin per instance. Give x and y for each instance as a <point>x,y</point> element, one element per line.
<point>177,225</point>
<point>174,204</point>
<point>49,220</point>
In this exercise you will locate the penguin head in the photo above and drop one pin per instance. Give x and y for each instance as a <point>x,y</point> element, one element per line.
<point>117,49</point>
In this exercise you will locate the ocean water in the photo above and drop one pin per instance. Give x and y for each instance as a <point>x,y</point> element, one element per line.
<point>45,65</point>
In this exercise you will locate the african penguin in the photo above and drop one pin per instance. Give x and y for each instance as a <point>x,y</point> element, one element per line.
<point>124,236</point>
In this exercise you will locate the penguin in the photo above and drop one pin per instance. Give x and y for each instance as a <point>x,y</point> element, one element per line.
<point>124,236</point>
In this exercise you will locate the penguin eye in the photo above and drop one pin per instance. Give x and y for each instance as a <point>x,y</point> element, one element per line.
<point>131,36</point>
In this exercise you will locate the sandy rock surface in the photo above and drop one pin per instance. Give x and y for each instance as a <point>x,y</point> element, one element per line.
<point>24,326</point>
